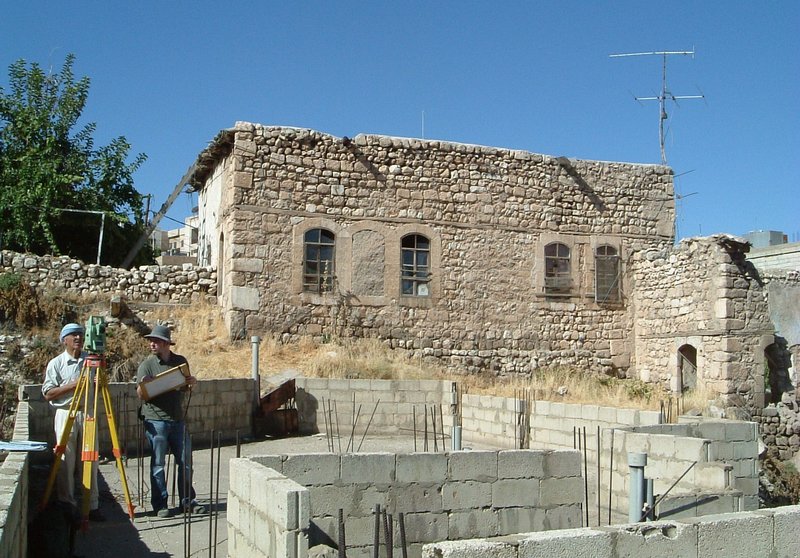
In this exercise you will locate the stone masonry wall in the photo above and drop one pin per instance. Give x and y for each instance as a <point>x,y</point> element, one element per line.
<point>488,212</point>
<point>152,283</point>
<point>702,293</point>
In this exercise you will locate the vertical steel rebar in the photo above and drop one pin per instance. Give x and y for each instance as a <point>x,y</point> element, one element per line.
<point>342,543</point>
<point>441,427</point>
<point>338,433</point>
<point>238,446</point>
<point>376,535</point>
<point>433,425</point>
<point>599,473</point>
<point>610,474</point>
<point>586,476</point>
<point>387,532</point>
<point>402,521</point>
<point>210,492</point>
<point>215,507</point>
<point>425,443</point>
<point>351,441</point>
<point>414,419</point>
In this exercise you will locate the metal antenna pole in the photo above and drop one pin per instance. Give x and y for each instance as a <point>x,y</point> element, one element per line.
<point>665,94</point>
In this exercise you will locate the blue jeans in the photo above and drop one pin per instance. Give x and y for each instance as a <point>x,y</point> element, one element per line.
<point>166,435</point>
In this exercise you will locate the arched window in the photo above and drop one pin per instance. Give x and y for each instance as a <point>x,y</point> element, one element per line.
<point>318,261</point>
<point>557,273</point>
<point>415,265</point>
<point>607,274</point>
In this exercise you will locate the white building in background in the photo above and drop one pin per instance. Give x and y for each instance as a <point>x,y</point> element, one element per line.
<point>771,251</point>
<point>176,246</point>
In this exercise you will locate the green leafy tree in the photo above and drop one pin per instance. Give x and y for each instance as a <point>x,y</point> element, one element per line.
<point>46,167</point>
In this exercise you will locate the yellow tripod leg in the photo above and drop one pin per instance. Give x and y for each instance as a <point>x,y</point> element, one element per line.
<point>90,453</point>
<point>112,427</point>
<point>61,445</point>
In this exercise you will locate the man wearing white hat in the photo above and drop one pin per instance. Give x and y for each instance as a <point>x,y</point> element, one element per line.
<point>60,381</point>
<point>164,426</point>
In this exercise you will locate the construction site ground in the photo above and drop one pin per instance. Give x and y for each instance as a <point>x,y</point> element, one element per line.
<point>151,536</point>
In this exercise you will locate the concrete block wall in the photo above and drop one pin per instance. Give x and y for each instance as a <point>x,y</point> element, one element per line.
<point>14,491</point>
<point>268,513</point>
<point>224,405</point>
<point>397,404</point>
<point>454,495</point>
<point>764,533</point>
<point>724,478</point>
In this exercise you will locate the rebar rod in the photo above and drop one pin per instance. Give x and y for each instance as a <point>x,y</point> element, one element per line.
<point>599,473</point>
<point>610,474</point>
<point>342,544</point>
<point>369,422</point>
<point>586,475</point>
<point>414,419</point>
<point>210,491</point>
<point>353,430</point>
<point>433,425</point>
<point>387,532</point>
<point>402,521</point>
<point>215,507</point>
<point>238,446</point>
<point>425,444</point>
<point>338,433</point>
<point>376,535</point>
<point>441,426</point>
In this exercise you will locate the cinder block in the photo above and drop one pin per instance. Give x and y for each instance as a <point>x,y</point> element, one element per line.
<point>509,493</point>
<point>517,464</point>
<point>466,495</point>
<point>628,417</point>
<point>426,527</point>
<point>274,462</point>
<point>710,504</point>
<point>368,468</point>
<point>562,463</point>
<point>568,516</point>
<point>472,524</point>
<point>574,543</point>
<point>655,539</point>
<point>736,431</point>
<point>786,521</point>
<point>472,465</point>
<point>421,467</point>
<point>691,449</point>
<point>677,506</point>
<point>413,497</point>
<point>313,468</point>
<point>469,549</point>
<point>284,503</point>
<point>733,534</point>
<point>520,520</point>
<point>559,491</point>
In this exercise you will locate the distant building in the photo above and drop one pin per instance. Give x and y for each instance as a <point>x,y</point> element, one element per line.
<point>762,239</point>
<point>177,246</point>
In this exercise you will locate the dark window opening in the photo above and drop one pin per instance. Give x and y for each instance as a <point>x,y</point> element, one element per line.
<point>415,266</point>
<point>607,275</point>
<point>318,261</point>
<point>557,272</point>
<point>687,367</point>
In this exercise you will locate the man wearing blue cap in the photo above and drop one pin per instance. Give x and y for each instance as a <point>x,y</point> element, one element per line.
<point>60,381</point>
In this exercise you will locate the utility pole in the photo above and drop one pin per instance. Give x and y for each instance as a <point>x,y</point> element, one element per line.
<point>665,94</point>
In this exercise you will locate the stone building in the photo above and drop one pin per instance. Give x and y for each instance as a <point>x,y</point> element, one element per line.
<point>485,259</point>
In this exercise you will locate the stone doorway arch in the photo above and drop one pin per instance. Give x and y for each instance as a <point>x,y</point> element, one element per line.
<point>687,368</point>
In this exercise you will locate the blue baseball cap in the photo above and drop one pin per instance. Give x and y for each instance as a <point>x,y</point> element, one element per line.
<point>70,328</point>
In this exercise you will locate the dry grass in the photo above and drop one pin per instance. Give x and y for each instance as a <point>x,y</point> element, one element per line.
<point>201,336</point>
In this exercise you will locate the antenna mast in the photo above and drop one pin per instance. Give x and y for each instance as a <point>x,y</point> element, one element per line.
<point>665,95</point>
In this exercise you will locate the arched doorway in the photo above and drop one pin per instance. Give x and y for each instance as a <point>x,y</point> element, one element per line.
<point>687,367</point>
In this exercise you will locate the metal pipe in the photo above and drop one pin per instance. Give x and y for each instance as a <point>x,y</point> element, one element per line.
<point>636,465</point>
<point>650,516</point>
<point>254,341</point>
<point>457,438</point>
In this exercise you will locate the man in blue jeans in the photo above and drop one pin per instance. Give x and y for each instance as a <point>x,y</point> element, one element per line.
<point>165,427</point>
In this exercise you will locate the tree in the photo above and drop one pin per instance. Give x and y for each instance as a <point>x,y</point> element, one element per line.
<point>45,167</point>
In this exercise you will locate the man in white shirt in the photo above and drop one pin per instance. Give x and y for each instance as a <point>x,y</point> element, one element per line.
<point>61,379</point>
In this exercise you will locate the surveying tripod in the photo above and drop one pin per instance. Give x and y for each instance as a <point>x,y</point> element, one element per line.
<point>93,372</point>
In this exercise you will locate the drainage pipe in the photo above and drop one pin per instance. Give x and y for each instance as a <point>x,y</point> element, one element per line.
<point>636,496</point>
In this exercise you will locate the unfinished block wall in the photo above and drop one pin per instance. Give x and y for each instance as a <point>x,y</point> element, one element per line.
<point>442,496</point>
<point>223,405</point>
<point>14,491</point>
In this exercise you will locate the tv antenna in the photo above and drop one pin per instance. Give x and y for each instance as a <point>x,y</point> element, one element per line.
<point>665,94</point>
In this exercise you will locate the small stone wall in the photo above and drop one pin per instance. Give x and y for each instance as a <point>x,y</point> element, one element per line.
<point>152,283</point>
<point>736,535</point>
<point>456,495</point>
<point>780,428</point>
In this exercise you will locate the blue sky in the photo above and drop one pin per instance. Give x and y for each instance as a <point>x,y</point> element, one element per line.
<point>523,75</point>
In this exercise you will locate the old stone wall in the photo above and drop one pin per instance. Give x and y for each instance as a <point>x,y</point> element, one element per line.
<point>703,297</point>
<point>488,213</point>
<point>167,284</point>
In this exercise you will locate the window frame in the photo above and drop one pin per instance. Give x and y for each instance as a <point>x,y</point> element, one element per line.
<point>317,281</point>
<point>600,260</point>
<point>558,279</point>
<point>415,273</point>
